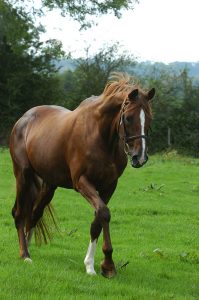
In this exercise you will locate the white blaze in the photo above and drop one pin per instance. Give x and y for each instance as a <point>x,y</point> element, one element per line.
<point>142,123</point>
<point>89,259</point>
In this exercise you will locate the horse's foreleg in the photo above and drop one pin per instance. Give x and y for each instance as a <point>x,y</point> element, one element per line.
<point>95,231</point>
<point>89,259</point>
<point>105,267</point>
<point>102,219</point>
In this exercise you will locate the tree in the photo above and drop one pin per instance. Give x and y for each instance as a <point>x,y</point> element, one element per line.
<point>176,111</point>
<point>27,75</point>
<point>186,121</point>
<point>91,73</point>
<point>167,101</point>
<point>81,10</point>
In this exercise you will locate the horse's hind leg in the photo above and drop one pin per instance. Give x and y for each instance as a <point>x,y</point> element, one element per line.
<point>45,196</point>
<point>35,193</point>
<point>21,208</point>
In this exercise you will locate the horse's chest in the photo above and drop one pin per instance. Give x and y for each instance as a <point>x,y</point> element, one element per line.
<point>103,172</point>
<point>103,168</point>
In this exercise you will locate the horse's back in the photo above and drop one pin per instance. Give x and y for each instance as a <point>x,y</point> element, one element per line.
<point>44,111</point>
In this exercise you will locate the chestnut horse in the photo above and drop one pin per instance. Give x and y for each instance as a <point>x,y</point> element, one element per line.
<point>87,150</point>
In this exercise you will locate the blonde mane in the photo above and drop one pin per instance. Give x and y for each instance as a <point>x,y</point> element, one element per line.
<point>120,83</point>
<point>119,87</point>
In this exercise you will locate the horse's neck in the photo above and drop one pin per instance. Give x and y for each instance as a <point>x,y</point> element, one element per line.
<point>109,117</point>
<point>109,129</point>
<point>105,115</point>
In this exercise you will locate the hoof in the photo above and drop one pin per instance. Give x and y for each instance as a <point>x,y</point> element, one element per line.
<point>91,273</point>
<point>108,272</point>
<point>90,270</point>
<point>28,260</point>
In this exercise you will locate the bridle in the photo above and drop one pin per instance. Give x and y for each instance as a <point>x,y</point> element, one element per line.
<point>126,139</point>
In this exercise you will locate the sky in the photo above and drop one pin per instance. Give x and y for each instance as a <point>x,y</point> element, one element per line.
<point>156,30</point>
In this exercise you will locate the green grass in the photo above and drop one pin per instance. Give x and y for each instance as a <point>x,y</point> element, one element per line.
<point>154,208</point>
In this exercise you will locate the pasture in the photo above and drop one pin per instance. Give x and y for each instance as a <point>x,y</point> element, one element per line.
<point>154,230</point>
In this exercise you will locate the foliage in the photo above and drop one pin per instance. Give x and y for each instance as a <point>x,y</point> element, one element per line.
<point>91,73</point>
<point>154,235</point>
<point>27,75</point>
<point>82,10</point>
<point>27,72</point>
<point>185,124</point>
<point>176,110</point>
<point>175,107</point>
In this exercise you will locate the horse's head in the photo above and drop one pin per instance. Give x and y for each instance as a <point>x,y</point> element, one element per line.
<point>135,122</point>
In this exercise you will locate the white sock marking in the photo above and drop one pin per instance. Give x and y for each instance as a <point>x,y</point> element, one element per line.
<point>89,259</point>
<point>142,122</point>
<point>28,260</point>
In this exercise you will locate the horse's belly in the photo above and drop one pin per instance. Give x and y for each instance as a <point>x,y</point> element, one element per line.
<point>57,178</point>
<point>51,168</point>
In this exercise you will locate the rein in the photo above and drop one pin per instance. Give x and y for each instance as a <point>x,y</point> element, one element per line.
<point>125,137</point>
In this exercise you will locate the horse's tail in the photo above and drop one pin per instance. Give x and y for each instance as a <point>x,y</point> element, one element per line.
<point>46,226</point>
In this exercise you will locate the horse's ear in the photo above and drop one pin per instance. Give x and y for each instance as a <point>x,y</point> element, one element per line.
<point>133,94</point>
<point>151,93</point>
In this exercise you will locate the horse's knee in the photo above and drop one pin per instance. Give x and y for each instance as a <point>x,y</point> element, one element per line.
<point>103,214</point>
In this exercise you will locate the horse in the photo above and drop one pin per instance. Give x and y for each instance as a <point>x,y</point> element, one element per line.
<point>87,150</point>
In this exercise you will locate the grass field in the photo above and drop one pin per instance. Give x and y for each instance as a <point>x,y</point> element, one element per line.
<point>154,229</point>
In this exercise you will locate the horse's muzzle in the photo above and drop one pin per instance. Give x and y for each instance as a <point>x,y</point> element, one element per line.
<point>137,162</point>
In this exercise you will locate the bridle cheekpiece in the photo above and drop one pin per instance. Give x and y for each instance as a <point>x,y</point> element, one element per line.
<point>125,136</point>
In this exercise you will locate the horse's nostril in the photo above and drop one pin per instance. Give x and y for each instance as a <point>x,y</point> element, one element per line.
<point>134,160</point>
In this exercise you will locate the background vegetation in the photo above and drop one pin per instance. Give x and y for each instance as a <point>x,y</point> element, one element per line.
<point>29,73</point>
<point>176,106</point>
<point>154,229</point>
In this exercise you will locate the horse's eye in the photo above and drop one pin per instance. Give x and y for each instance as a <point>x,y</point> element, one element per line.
<point>129,119</point>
